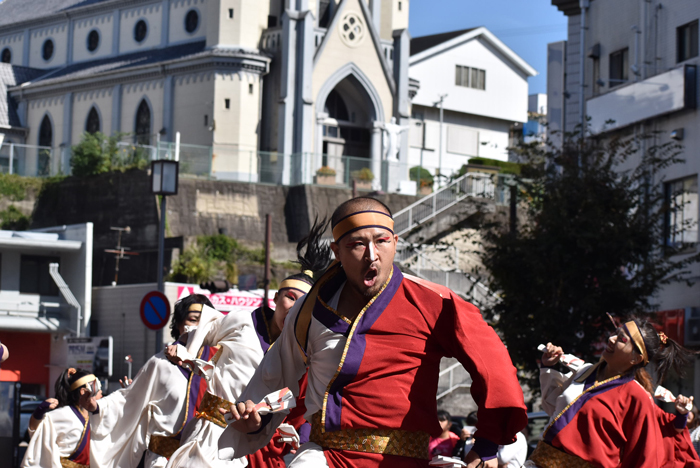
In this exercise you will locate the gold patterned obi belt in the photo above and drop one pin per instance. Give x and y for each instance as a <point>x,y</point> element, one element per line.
<point>384,441</point>
<point>547,456</point>
<point>163,445</point>
<point>66,463</point>
<point>209,409</point>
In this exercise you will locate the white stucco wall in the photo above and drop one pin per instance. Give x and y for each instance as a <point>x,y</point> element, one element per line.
<point>103,24</point>
<point>82,103</point>
<point>192,100</point>
<point>506,93</point>
<point>58,33</point>
<point>178,10</point>
<point>394,16</point>
<point>236,134</point>
<point>153,16</point>
<point>249,21</point>
<point>14,42</point>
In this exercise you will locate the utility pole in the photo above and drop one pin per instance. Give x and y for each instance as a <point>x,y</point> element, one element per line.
<point>439,103</point>
<point>120,251</point>
<point>268,240</point>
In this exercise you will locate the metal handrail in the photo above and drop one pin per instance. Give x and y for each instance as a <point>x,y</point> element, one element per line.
<point>469,185</point>
<point>452,386</point>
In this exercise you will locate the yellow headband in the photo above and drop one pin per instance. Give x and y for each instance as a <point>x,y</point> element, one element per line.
<point>195,308</point>
<point>361,220</point>
<point>633,330</point>
<point>299,285</point>
<point>308,273</point>
<point>82,381</point>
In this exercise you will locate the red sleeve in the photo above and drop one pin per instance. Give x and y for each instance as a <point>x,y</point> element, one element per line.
<point>644,446</point>
<point>465,335</point>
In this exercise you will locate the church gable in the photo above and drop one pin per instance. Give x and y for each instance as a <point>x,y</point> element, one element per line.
<point>352,40</point>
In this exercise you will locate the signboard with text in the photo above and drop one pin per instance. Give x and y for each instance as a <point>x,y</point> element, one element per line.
<point>232,300</point>
<point>92,354</point>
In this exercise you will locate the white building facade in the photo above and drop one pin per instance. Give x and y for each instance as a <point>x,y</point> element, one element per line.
<point>45,297</point>
<point>274,89</point>
<point>635,64</point>
<point>485,89</point>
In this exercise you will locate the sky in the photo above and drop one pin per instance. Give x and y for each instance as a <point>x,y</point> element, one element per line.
<point>526,26</point>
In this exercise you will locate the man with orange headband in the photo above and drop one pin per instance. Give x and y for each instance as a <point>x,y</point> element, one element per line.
<point>372,340</point>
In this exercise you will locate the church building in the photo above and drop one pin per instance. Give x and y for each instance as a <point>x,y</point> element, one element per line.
<point>276,88</point>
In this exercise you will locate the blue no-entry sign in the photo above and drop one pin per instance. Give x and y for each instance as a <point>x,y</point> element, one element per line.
<point>155,310</point>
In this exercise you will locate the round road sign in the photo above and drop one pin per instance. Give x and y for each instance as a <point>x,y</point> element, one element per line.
<point>155,310</point>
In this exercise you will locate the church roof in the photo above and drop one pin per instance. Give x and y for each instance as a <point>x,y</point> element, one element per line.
<point>17,11</point>
<point>13,75</point>
<point>419,44</point>
<point>122,62</point>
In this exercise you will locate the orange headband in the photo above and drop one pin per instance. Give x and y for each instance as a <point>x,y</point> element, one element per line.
<point>634,333</point>
<point>82,381</point>
<point>361,220</point>
<point>299,285</point>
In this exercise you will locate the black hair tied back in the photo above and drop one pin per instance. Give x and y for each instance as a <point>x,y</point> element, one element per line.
<point>64,395</point>
<point>316,254</point>
<point>665,352</point>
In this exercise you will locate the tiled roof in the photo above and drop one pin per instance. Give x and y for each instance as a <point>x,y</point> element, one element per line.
<point>419,44</point>
<point>12,75</point>
<point>16,11</point>
<point>120,63</point>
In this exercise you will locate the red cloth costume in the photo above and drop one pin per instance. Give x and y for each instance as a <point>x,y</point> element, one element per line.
<point>678,450</point>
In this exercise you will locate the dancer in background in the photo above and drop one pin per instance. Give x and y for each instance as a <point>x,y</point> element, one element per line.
<point>601,416</point>
<point>269,324</point>
<point>149,414</point>
<point>61,438</point>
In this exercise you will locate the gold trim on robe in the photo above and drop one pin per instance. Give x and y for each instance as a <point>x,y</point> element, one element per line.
<point>384,441</point>
<point>209,409</point>
<point>548,456</point>
<point>66,463</point>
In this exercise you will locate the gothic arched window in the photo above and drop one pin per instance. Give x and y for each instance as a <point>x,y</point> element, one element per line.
<point>143,124</point>
<point>46,140</point>
<point>93,121</point>
<point>335,106</point>
<point>6,55</point>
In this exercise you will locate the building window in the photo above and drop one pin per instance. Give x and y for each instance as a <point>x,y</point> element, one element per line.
<point>206,120</point>
<point>93,121</point>
<point>470,77</point>
<point>6,56</point>
<point>143,124</point>
<point>46,142</point>
<point>399,6</point>
<point>619,67</point>
<point>250,88</point>
<point>687,41</point>
<point>47,49</point>
<point>230,13</point>
<point>34,277</point>
<point>271,21</point>
<point>191,21</point>
<point>140,31</point>
<point>681,226</point>
<point>227,104</point>
<point>93,40</point>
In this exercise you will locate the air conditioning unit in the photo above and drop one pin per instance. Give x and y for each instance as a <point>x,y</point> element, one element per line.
<point>692,326</point>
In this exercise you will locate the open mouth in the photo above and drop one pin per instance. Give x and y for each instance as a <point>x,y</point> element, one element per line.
<point>371,277</point>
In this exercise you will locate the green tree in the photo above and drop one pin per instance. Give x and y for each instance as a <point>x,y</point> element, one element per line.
<point>12,219</point>
<point>424,180</point>
<point>592,242</point>
<point>96,154</point>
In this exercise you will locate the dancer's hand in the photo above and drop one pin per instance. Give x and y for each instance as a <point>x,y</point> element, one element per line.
<point>551,355</point>
<point>171,354</point>
<point>245,416</point>
<point>126,382</point>
<point>473,461</point>
<point>682,403</point>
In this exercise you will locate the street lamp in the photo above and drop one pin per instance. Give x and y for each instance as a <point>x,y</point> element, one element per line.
<point>164,176</point>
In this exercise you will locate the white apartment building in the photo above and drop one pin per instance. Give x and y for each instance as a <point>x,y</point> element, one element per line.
<point>485,89</point>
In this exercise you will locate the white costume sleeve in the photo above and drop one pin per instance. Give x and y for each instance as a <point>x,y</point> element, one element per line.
<point>513,455</point>
<point>552,384</point>
<point>282,366</point>
<point>240,355</point>
<point>154,404</point>
<point>57,436</point>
